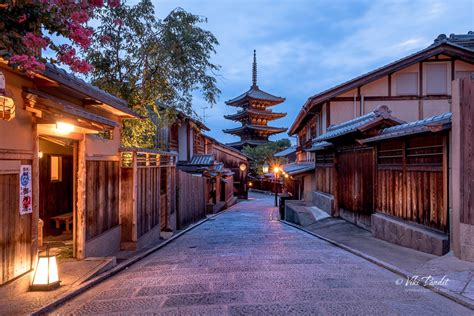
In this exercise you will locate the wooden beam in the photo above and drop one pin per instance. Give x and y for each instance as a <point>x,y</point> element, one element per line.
<point>420,89</point>
<point>35,195</point>
<point>389,85</point>
<point>81,200</point>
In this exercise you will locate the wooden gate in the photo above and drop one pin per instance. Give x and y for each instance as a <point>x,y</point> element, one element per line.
<point>355,174</point>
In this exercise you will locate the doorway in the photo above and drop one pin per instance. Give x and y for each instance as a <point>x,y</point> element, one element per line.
<point>56,195</point>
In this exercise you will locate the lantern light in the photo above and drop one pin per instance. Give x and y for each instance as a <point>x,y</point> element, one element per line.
<point>276,169</point>
<point>46,276</point>
<point>40,154</point>
<point>286,175</point>
<point>243,167</point>
<point>265,168</point>
<point>250,184</point>
<point>64,128</point>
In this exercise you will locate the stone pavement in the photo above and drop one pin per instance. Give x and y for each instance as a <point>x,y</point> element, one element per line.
<point>246,262</point>
<point>460,274</point>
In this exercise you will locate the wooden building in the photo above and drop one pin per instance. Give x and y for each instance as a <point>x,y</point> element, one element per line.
<point>254,115</point>
<point>60,140</point>
<point>391,180</point>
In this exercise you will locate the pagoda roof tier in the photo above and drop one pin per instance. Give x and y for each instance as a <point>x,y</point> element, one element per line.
<point>269,115</point>
<point>254,93</point>
<point>250,142</point>
<point>269,130</point>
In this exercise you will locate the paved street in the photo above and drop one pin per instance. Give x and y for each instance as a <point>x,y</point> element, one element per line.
<point>243,262</point>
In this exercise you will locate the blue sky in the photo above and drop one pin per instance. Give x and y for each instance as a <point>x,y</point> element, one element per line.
<point>306,46</point>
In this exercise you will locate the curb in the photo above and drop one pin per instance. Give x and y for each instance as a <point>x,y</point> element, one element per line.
<point>48,308</point>
<point>448,294</point>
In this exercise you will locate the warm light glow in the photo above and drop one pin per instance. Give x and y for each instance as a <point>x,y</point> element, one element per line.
<point>46,274</point>
<point>243,167</point>
<point>265,168</point>
<point>286,175</point>
<point>276,169</point>
<point>40,154</point>
<point>250,184</point>
<point>64,128</point>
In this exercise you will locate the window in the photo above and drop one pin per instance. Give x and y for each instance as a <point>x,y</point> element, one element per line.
<point>436,79</point>
<point>56,168</point>
<point>407,83</point>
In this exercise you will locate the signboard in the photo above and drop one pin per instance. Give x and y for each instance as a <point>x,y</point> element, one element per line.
<point>26,199</point>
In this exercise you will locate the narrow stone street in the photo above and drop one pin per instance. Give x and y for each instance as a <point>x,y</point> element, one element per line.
<point>246,262</point>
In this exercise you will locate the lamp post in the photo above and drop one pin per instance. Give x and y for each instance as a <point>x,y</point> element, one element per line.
<point>276,171</point>
<point>242,168</point>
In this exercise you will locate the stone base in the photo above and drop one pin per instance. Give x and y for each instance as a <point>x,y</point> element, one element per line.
<point>105,244</point>
<point>324,202</point>
<point>295,212</point>
<point>361,220</point>
<point>409,235</point>
<point>150,238</point>
<point>467,242</point>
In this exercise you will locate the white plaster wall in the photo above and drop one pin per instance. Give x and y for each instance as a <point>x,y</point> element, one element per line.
<point>341,111</point>
<point>406,110</point>
<point>16,134</point>
<point>448,75</point>
<point>103,147</point>
<point>378,87</point>
<point>435,107</point>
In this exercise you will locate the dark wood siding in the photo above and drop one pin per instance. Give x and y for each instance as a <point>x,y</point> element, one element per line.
<point>191,199</point>
<point>325,172</point>
<point>15,231</point>
<point>411,181</point>
<point>467,151</point>
<point>102,197</point>
<point>148,199</point>
<point>356,180</point>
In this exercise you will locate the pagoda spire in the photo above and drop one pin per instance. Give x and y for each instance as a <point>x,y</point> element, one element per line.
<point>254,69</point>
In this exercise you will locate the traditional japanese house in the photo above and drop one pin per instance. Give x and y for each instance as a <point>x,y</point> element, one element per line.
<point>254,115</point>
<point>59,166</point>
<point>405,178</point>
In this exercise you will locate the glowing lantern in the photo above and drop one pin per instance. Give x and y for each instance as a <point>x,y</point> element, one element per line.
<point>276,169</point>
<point>64,128</point>
<point>7,106</point>
<point>265,168</point>
<point>46,275</point>
<point>243,167</point>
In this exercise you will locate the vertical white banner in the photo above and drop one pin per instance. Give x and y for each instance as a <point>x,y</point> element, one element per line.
<point>26,199</point>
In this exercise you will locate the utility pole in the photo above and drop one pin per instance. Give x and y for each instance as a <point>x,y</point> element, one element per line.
<point>204,117</point>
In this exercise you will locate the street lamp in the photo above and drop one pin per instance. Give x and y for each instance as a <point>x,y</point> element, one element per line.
<point>276,170</point>
<point>242,168</point>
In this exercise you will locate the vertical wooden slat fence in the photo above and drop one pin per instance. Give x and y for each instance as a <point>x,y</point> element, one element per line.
<point>191,198</point>
<point>15,231</point>
<point>147,191</point>
<point>411,181</point>
<point>102,197</point>
<point>325,172</point>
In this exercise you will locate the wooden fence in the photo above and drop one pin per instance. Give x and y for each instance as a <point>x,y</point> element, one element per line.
<point>467,153</point>
<point>191,198</point>
<point>325,172</point>
<point>15,230</point>
<point>102,197</point>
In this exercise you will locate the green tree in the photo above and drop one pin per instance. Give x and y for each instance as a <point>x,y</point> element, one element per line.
<point>148,61</point>
<point>265,153</point>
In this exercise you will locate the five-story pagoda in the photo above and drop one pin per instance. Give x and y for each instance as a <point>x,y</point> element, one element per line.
<point>254,114</point>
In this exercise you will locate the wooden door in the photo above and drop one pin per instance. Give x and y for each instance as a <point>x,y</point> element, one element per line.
<point>355,174</point>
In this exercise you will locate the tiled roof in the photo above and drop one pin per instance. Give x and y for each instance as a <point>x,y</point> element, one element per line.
<point>460,45</point>
<point>298,167</point>
<point>411,128</point>
<point>381,112</point>
<point>202,160</point>
<point>62,76</point>
<point>288,151</point>
<point>248,142</point>
<point>319,146</point>
<point>258,113</point>
<point>255,93</point>
<point>264,128</point>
